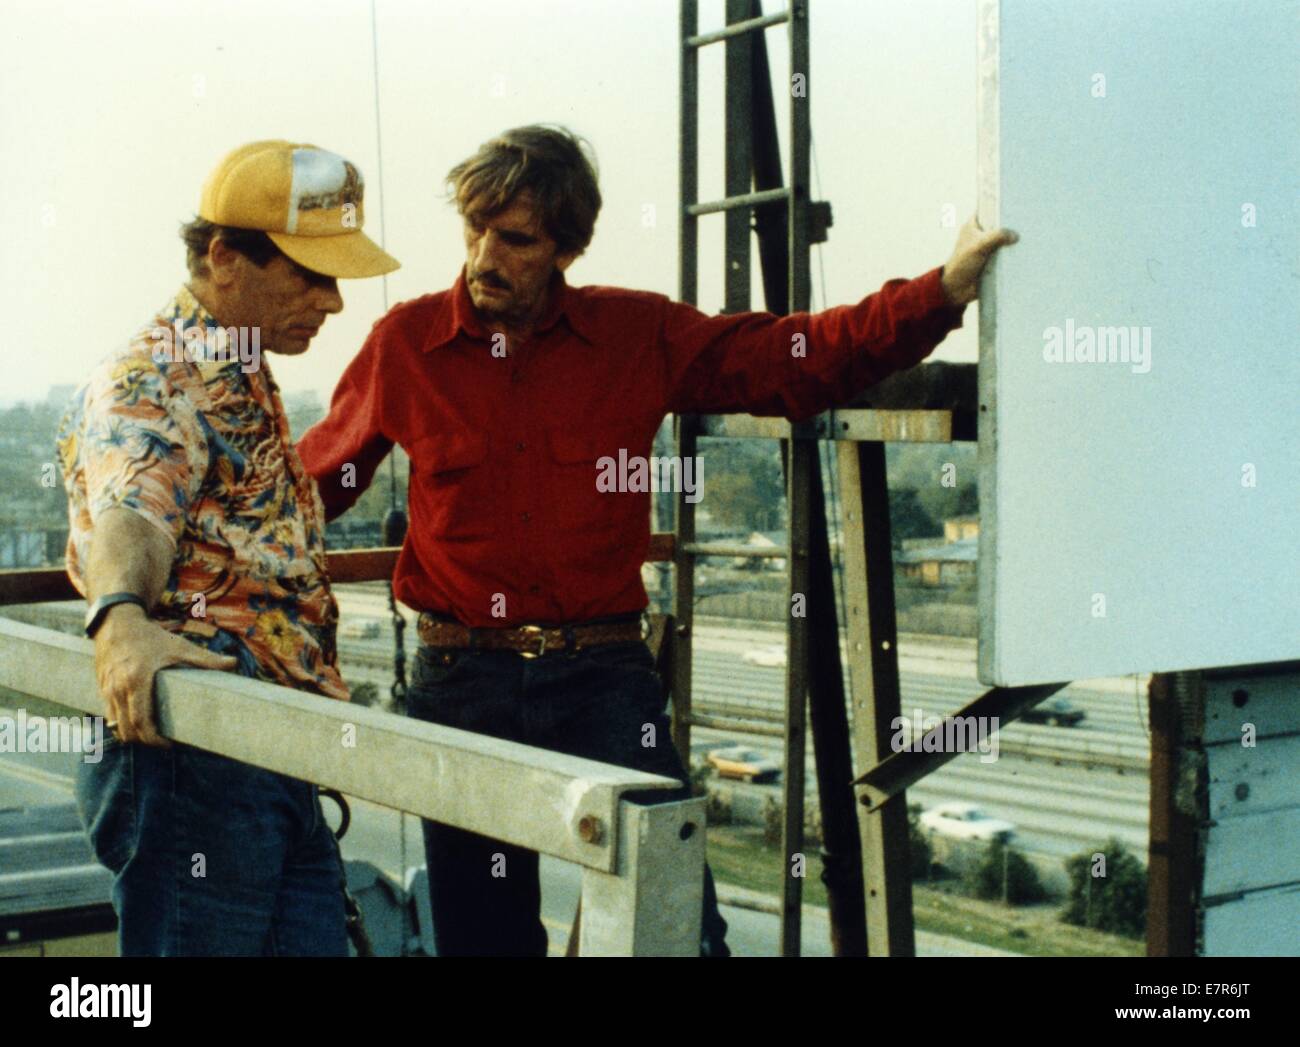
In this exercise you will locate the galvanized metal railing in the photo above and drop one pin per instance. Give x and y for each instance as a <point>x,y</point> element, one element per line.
<point>642,865</point>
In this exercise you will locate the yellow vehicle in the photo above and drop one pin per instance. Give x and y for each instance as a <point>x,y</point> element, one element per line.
<point>735,761</point>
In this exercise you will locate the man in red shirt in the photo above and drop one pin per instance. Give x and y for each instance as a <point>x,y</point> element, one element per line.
<point>510,392</point>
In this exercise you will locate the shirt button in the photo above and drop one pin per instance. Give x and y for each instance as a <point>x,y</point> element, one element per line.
<point>534,589</point>
<point>519,446</point>
<point>525,517</point>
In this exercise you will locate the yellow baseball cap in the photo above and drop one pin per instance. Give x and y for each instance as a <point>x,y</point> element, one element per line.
<point>306,199</point>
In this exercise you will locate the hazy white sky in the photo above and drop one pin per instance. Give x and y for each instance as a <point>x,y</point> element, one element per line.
<point>115,111</point>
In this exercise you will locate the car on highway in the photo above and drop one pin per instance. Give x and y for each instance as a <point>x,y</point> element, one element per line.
<point>1059,712</point>
<point>772,657</point>
<point>749,765</point>
<point>966,821</point>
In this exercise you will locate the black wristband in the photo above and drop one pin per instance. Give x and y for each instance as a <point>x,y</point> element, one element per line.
<point>100,608</point>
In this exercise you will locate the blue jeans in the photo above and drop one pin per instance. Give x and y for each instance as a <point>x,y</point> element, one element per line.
<point>595,704</point>
<point>210,856</point>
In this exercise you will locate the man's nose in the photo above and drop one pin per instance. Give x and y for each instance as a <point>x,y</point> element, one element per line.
<point>485,253</point>
<point>327,297</point>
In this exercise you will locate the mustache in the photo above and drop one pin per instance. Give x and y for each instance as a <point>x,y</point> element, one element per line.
<point>490,279</point>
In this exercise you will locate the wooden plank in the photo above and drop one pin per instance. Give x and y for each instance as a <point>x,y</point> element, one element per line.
<point>1252,780</point>
<point>912,426</point>
<point>1235,861</point>
<point>1264,700</point>
<point>873,672</point>
<point>1262,923</point>
<point>362,565</point>
<point>934,386</point>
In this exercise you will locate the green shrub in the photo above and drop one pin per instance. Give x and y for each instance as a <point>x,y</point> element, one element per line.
<point>1115,902</point>
<point>1005,871</point>
<point>774,823</point>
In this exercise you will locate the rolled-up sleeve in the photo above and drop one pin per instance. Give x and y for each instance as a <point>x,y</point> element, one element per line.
<point>799,365</point>
<point>144,446</point>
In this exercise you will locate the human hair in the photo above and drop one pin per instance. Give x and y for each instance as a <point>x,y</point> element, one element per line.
<point>557,166</point>
<point>253,244</point>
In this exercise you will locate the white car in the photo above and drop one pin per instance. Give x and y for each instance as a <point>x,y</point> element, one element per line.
<point>769,657</point>
<point>966,821</point>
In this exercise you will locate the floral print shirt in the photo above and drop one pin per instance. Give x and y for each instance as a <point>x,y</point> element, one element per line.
<point>197,443</point>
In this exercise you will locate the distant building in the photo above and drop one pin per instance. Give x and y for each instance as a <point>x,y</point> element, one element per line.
<point>961,528</point>
<point>940,565</point>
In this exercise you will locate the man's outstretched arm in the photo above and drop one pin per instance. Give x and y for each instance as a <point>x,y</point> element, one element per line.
<point>799,365</point>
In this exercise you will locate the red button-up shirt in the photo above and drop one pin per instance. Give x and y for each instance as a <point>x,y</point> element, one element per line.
<point>507,524</point>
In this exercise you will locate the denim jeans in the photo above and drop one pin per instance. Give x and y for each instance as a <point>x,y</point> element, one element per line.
<point>210,856</point>
<point>595,704</point>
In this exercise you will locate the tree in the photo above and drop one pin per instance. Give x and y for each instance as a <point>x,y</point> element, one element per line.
<point>907,516</point>
<point>1004,872</point>
<point>1108,890</point>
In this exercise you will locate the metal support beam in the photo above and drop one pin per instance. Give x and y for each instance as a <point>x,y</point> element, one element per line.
<point>738,159</point>
<point>731,723</point>
<point>651,905</point>
<point>828,714</point>
<point>688,155</point>
<point>545,801</point>
<point>741,201</point>
<point>802,460</point>
<point>892,775</point>
<point>748,25</point>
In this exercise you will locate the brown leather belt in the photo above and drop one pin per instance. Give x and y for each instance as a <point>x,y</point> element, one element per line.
<point>529,640</point>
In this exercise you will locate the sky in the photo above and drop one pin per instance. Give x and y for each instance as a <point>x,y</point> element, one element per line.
<point>115,112</point>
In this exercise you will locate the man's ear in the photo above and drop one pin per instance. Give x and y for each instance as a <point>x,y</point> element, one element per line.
<point>563,261</point>
<point>223,262</point>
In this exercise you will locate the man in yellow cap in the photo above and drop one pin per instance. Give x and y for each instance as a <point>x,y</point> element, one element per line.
<point>198,539</point>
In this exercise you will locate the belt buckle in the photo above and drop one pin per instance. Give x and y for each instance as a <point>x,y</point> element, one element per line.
<point>534,630</point>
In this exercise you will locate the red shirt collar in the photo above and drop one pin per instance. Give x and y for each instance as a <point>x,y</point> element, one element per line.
<point>458,314</point>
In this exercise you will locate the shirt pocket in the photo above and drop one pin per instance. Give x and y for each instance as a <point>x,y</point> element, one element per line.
<point>456,493</point>
<point>592,495</point>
